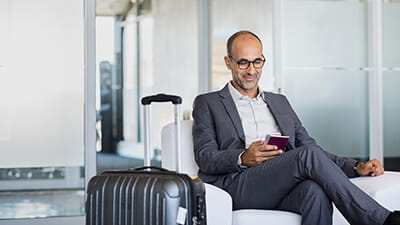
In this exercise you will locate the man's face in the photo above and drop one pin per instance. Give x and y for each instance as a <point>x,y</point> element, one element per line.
<point>245,47</point>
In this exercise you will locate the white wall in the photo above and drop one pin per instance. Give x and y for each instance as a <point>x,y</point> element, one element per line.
<point>41,88</point>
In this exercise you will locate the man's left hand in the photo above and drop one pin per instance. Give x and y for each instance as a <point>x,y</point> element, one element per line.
<point>371,168</point>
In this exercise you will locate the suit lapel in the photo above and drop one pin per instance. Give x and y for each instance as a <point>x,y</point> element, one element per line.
<point>231,109</point>
<point>279,118</point>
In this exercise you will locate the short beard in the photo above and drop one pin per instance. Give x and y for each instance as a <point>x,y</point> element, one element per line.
<point>242,84</point>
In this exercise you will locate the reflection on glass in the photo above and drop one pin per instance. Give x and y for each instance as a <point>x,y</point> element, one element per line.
<point>34,204</point>
<point>36,173</point>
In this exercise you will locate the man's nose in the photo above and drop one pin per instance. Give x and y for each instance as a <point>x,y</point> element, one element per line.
<point>251,69</point>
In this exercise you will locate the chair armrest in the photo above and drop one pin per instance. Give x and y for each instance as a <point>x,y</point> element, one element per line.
<point>385,189</point>
<point>218,206</point>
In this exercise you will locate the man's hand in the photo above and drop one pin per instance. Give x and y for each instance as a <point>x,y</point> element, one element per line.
<point>371,168</point>
<point>258,152</point>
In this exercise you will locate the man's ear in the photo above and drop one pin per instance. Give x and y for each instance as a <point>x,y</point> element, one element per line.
<point>227,63</point>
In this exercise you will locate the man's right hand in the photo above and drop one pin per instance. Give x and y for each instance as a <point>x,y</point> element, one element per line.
<point>258,152</point>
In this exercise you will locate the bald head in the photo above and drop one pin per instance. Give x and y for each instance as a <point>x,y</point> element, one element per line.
<point>245,61</point>
<point>240,35</point>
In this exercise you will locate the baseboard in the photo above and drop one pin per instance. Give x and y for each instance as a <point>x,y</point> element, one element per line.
<point>392,163</point>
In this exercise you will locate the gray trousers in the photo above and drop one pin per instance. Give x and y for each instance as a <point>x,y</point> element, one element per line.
<point>305,181</point>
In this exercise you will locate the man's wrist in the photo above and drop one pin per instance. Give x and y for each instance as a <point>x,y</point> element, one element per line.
<point>240,161</point>
<point>356,167</point>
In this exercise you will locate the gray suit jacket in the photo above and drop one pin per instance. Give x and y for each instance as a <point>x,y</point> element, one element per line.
<point>219,139</point>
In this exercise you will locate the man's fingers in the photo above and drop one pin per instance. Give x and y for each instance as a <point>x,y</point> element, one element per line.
<point>369,166</point>
<point>377,163</point>
<point>374,168</point>
<point>258,152</point>
<point>264,148</point>
<point>270,147</point>
<point>373,172</point>
<point>266,154</point>
<point>379,171</point>
<point>257,143</point>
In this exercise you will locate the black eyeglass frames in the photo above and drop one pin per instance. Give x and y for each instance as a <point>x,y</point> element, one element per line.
<point>243,64</point>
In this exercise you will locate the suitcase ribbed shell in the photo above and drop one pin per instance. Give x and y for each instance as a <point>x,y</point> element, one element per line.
<point>143,198</point>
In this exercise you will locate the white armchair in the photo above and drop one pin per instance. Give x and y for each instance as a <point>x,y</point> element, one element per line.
<point>384,189</point>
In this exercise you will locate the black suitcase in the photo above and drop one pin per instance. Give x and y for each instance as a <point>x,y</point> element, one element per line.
<point>147,195</point>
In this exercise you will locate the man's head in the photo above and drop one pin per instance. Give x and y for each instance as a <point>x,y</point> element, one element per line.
<point>245,60</point>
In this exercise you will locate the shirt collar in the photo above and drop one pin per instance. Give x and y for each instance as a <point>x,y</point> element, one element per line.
<point>238,96</point>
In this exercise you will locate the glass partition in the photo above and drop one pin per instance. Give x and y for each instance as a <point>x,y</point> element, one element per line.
<point>391,79</point>
<point>325,71</point>
<point>327,34</point>
<point>333,106</point>
<point>391,120</point>
<point>42,114</point>
<point>156,51</point>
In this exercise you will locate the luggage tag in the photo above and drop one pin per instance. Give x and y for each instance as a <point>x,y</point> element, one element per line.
<point>181,218</point>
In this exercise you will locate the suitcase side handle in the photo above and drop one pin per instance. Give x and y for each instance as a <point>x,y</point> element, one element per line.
<point>151,168</point>
<point>176,100</point>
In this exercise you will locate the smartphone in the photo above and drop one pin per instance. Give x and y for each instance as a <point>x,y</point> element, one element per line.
<point>279,141</point>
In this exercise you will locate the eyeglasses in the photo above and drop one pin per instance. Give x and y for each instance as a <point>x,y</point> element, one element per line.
<point>243,64</point>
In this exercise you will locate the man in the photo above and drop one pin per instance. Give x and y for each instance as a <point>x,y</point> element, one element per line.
<point>228,132</point>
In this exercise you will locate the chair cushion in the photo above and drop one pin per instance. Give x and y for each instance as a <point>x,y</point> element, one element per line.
<point>264,217</point>
<point>385,188</point>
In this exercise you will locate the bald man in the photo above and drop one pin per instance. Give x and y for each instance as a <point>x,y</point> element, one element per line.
<point>228,132</point>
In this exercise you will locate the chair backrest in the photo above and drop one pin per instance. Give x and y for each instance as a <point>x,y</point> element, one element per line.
<point>168,149</point>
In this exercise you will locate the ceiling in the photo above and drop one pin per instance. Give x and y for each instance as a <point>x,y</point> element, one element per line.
<point>112,7</point>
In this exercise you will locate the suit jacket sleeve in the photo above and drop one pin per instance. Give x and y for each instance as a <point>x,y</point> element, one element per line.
<point>208,155</point>
<point>302,138</point>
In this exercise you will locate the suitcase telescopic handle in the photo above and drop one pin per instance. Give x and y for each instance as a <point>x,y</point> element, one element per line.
<point>176,100</point>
